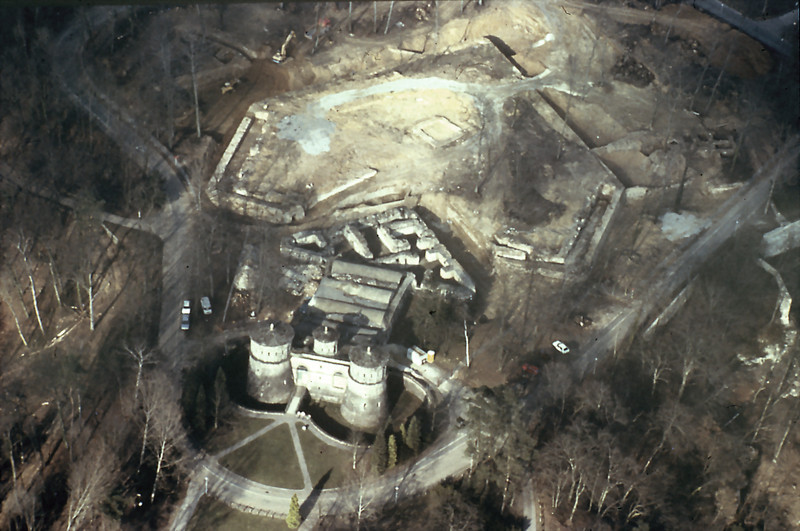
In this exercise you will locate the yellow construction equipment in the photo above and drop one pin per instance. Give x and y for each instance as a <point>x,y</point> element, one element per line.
<point>281,55</point>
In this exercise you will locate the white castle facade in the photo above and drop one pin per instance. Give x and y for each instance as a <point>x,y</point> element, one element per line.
<point>356,380</point>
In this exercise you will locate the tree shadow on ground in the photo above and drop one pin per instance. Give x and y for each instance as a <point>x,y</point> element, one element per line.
<point>308,504</point>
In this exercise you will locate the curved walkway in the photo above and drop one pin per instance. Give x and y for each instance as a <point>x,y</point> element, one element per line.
<point>445,458</point>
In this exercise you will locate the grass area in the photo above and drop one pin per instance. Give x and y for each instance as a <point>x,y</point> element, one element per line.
<point>238,428</point>
<point>213,514</point>
<point>328,416</point>
<point>270,459</point>
<point>405,406</point>
<point>322,458</point>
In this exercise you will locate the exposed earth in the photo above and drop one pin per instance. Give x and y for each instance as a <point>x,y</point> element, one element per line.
<point>582,163</point>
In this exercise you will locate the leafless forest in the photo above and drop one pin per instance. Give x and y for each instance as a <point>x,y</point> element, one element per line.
<point>692,425</point>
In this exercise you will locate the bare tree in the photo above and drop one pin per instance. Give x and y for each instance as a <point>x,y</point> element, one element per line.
<point>688,365</point>
<point>25,503</point>
<point>356,439</point>
<point>8,419</point>
<point>88,222</point>
<point>154,395</point>
<point>365,495</point>
<point>572,67</point>
<point>168,433</point>
<point>5,296</point>
<point>594,399</point>
<point>165,54</point>
<point>90,480</point>
<point>655,362</point>
<point>193,67</point>
<point>775,384</point>
<point>55,277</point>
<point>24,245</point>
<point>559,382</point>
<point>502,438</point>
<point>64,377</point>
<point>389,17</point>
<point>141,356</point>
<point>671,419</point>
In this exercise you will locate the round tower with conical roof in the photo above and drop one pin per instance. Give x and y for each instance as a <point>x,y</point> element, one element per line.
<point>326,341</point>
<point>269,373</point>
<point>365,400</point>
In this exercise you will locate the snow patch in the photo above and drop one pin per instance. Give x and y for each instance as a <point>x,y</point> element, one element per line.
<point>311,132</point>
<point>679,226</point>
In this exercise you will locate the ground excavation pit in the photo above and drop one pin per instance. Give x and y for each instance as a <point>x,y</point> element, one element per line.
<point>537,173</point>
<point>317,148</point>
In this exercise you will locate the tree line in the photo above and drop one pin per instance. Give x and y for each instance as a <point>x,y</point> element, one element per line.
<point>660,435</point>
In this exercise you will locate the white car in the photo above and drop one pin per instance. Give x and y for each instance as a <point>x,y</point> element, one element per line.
<point>186,312</point>
<point>205,303</point>
<point>561,347</point>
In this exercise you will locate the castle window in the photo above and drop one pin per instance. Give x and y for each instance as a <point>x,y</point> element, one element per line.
<point>339,381</point>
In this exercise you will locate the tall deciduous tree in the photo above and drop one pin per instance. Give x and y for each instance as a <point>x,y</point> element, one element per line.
<point>6,295</point>
<point>24,245</point>
<point>192,63</point>
<point>154,394</point>
<point>141,356</point>
<point>25,503</point>
<point>89,231</point>
<point>502,437</point>
<point>167,435</point>
<point>90,480</point>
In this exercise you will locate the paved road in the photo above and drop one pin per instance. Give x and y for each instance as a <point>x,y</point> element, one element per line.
<point>445,458</point>
<point>175,223</point>
<point>530,507</point>
<point>778,34</point>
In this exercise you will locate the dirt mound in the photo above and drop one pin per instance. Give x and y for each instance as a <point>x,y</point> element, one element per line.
<point>518,26</point>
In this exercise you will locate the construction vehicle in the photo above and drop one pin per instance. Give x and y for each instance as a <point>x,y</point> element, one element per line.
<point>323,25</point>
<point>281,55</point>
<point>229,86</point>
<point>529,370</point>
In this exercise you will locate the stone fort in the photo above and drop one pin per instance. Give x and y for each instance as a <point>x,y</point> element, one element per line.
<point>354,378</point>
<point>363,272</point>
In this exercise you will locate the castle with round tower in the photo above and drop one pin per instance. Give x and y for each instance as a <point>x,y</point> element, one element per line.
<point>364,403</point>
<point>355,379</point>
<point>269,371</point>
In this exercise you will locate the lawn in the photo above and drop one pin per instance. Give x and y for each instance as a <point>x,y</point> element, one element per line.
<point>238,428</point>
<point>405,406</point>
<point>213,514</point>
<point>269,459</point>
<point>322,458</point>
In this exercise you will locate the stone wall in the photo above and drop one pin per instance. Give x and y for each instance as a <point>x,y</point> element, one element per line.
<point>325,378</point>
